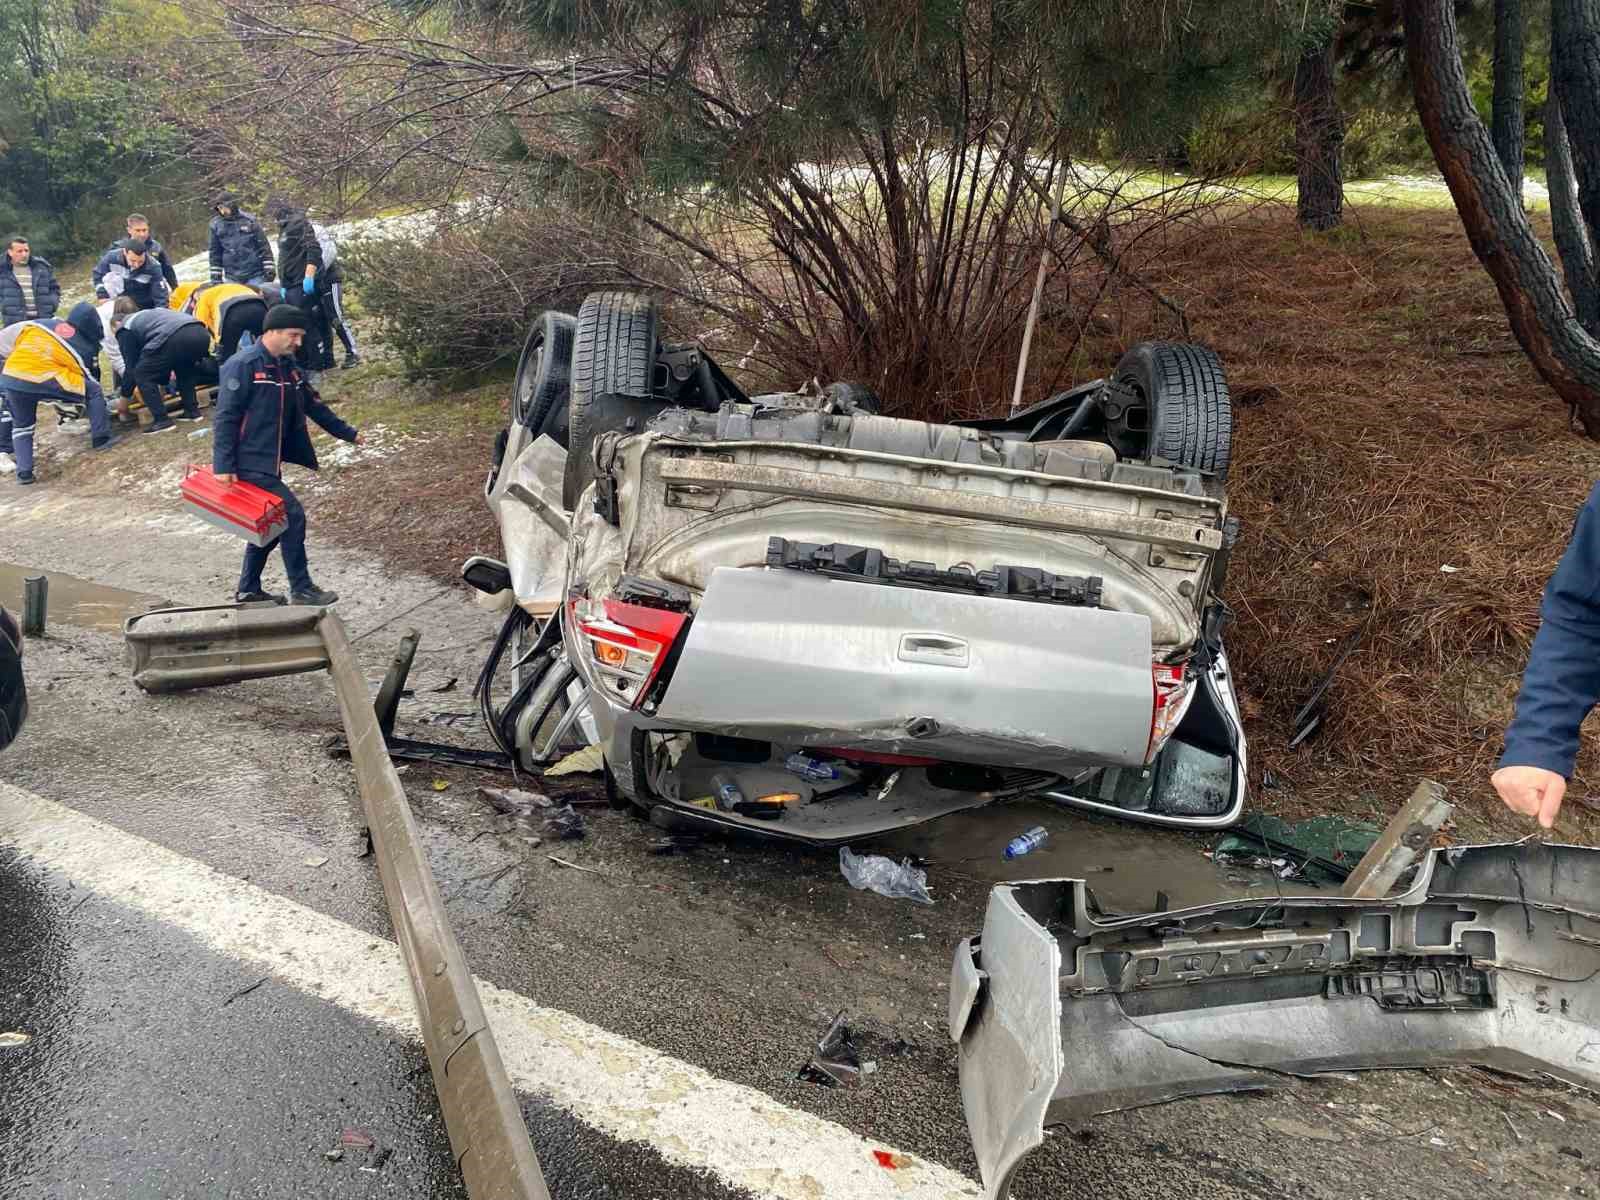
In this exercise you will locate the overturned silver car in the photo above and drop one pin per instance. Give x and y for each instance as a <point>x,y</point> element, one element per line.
<point>793,614</point>
<point>1061,1010</point>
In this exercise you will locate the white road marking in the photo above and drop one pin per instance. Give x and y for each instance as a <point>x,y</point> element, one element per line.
<point>625,1089</point>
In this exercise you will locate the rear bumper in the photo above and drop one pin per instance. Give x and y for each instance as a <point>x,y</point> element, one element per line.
<point>1489,959</point>
<point>797,660</point>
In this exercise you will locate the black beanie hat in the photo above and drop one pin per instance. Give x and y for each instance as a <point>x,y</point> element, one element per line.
<point>136,245</point>
<point>284,316</point>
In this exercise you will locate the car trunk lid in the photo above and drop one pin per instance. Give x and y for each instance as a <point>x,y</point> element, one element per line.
<point>788,657</point>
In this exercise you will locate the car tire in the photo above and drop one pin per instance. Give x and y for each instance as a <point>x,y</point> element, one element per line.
<point>543,388</point>
<point>613,362</point>
<point>1172,406</point>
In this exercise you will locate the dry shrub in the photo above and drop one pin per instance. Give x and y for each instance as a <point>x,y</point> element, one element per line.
<point>1387,427</point>
<point>460,295</point>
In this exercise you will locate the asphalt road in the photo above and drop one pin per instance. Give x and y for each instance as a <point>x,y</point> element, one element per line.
<point>158,854</point>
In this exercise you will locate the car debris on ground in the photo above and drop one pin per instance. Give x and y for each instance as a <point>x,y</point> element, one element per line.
<point>835,1062</point>
<point>1321,850</point>
<point>588,761</point>
<point>565,824</point>
<point>1062,1009</point>
<point>514,802</point>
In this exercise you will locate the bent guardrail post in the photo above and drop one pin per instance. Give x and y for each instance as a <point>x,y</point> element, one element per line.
<point>481,1114</point>
<point>387,704</point>
<point>178,649</point>
<point>1408,834</point>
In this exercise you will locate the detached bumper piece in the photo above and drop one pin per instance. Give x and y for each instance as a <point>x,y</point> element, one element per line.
<point>1062,1011</point>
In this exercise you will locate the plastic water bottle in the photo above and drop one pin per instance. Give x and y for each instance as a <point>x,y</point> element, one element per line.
<point>810,768</point>
<point>1026,842</point>
<point>727,791</point>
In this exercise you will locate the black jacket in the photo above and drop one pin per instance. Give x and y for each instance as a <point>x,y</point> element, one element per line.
<point>158,253</point>
<point>260,422</point>
<point>297,247</point>
<point>145,333</point>
<point>239,248</point>
<point>46,291</point>
<point>145,284</point>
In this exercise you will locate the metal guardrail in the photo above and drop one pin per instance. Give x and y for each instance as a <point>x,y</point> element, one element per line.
<point>177,649</point>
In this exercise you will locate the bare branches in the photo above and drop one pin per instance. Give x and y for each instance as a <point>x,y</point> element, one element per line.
<point>877,221</point>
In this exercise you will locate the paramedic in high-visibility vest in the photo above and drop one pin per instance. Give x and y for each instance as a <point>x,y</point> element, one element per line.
<point>263,401</point>
<point>50,361</point>
<point>233,312</point>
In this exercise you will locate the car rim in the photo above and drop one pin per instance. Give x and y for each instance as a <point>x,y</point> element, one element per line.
<point>527,379</point>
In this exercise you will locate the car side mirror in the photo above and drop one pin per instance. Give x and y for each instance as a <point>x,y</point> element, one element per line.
<point>487,575</point>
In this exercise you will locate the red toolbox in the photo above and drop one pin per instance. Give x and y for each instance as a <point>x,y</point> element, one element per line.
<point>243,509</point>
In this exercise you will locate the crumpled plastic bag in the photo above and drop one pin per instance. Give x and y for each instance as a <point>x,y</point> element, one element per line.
<point>875,873</point>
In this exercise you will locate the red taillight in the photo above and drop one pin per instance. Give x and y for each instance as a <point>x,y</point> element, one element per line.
<point>629,644</point>
<point>1173,692</point>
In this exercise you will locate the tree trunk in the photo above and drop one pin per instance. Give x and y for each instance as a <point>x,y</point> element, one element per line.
<point>1566,357</point>
<point>1319,140</point>
<point>1572,236</point>
<point>1506,118</point>
<point>1575,82</point>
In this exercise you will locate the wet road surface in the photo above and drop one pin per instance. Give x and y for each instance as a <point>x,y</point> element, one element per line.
<point>728,960</point>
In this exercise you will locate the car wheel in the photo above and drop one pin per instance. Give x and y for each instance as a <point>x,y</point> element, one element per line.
<point>613,365</point>
<point>543,386</point>
<point>1168,402</point>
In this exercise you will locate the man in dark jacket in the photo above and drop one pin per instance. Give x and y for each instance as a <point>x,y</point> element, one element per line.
<point>240,252</point>
<point>28,287</point>
<point>1562,682</point>
<point>262,405</point>
<point>157,344</point>
<point>129,269</point>
<point>139,230</point>
<point>304,275</point>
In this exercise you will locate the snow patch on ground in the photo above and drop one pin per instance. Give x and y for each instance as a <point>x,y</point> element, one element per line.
<point>163,483</point>
<point>377,442</point>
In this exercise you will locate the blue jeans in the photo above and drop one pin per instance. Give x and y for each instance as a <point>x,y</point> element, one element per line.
<point>292,541</point>
<point>22,408</point>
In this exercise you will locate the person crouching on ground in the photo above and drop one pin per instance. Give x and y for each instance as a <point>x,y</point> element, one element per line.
<point>158,343</point>
<point>233,312</point>
<point>262,405</point>
<point>49,360</point>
